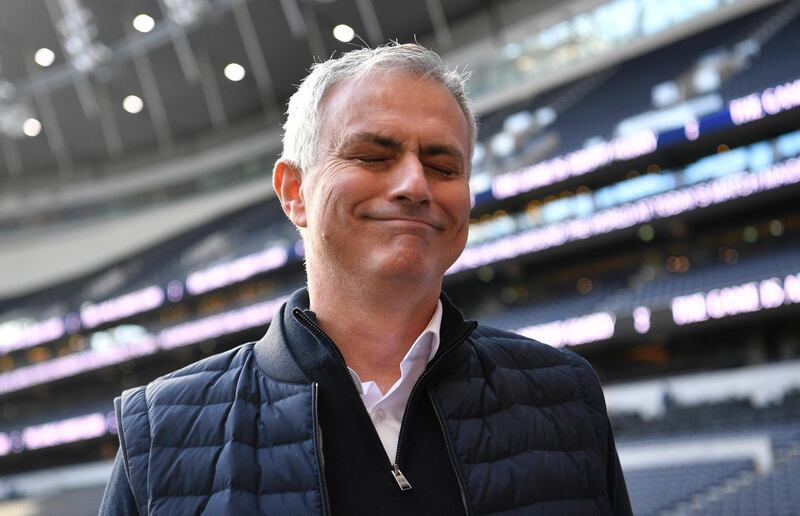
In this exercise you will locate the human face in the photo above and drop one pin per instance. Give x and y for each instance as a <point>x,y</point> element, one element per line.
<point>388,195</point>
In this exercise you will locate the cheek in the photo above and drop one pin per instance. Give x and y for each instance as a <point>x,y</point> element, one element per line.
<point>460,207</point>
<point>335,200</point>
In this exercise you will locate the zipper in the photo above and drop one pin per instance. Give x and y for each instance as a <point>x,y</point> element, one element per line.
<point>403,426</point>
<point>401,479</point>
<point>326,506</point>
<point>320,333</point>
<point>324,336</point>
<point>394,468</point>
<point>398,475</point>
<point>451,454</point>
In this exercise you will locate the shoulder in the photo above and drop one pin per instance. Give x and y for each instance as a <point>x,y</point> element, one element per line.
<point>224,361</point>
<point>186,382</point>
<point>213,370</point>
<point>212,384</point>
<point>497,348</point>
<point>511,349</point>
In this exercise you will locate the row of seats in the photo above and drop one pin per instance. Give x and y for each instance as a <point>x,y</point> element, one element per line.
<point>776,63</point>
<point>626,91</point>
<point>658,489</point>
<point>738,488</point>
<point>777,262</point>
<point>775,493</point>
<point>733,417</point>
<point>83,501</point>
<point>247,230</point>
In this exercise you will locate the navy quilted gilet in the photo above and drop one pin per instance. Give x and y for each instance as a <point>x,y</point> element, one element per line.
<point>219,437</point>
<point>526,435</point>
<point>524,426</point>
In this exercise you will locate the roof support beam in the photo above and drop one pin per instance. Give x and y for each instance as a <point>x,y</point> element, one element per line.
<point>255,56</point>
<point>108,122</point>
<point>55,137</point>
<point>57,10</point>
<point>294,18</point>
<point>183,49</point>
<point>371,23</point>
<point>186,57</point>
<point>152,96</point>
<point>89,96</point>
<point>52,127</point>
<point>315,41</point>
<point>444,39</point>
<point>208,81</point>
<point>85,95</point>
<point>11,157</point>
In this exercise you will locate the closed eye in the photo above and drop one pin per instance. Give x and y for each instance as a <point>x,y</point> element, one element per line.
<point>370,159</point>
<point>444,170</point>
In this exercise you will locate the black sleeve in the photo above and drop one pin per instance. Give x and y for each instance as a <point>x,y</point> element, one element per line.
<point>118,499</point>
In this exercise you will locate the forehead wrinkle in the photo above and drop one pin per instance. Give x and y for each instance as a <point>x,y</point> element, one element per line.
<point>437,149</point>
<point>367,137</point>
<point>342,115</point>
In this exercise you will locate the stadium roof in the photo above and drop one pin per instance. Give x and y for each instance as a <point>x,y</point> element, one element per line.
<point>88,83</point>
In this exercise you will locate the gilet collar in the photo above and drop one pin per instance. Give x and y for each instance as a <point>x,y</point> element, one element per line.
<point>290,352</point>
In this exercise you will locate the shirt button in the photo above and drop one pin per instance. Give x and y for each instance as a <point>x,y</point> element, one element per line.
<point>380,415</point>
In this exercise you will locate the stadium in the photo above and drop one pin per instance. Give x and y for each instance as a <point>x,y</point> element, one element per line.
<point>635,198</point>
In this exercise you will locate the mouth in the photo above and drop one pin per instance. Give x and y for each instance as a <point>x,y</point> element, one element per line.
<point>407,221</point>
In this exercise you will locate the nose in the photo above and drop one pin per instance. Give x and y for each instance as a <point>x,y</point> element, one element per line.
<point>409,182</point>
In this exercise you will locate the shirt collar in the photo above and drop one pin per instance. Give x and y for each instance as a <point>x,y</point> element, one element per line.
<point>432,331</point>
<point>434,328</point>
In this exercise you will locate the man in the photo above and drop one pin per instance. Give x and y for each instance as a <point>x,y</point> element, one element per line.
<point>369,393</point>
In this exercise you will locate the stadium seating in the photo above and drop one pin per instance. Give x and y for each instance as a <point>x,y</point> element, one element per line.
<point>773,493</point>
<point>659,489</point>
<point>776,61</point>
<point>716,487</point>
<point>626,91</point>
<point>771,263</point>
<point>69,502</point>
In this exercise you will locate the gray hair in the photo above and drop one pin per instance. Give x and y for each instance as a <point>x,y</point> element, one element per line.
<point>301,130</point>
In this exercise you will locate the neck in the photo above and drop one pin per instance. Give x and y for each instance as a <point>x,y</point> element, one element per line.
<point>373,324</point>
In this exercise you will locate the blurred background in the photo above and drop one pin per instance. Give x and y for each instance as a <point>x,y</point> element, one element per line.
<point>636,198</point>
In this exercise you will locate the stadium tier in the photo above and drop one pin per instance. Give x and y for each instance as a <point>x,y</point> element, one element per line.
<point>709,482</point>
<point>658,489</point>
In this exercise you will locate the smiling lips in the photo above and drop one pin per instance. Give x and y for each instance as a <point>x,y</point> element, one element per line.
<point>419,216</point>
<point>415,220</point>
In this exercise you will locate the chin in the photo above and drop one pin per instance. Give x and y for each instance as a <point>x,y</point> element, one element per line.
<point>409,266</point>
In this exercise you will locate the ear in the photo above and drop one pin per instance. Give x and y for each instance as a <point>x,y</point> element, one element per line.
<point>286,180</point>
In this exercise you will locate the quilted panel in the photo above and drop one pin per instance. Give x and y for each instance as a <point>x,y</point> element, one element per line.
<point>221,434</point>
<point>526,427</point>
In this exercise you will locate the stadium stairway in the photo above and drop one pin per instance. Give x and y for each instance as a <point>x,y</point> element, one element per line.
<point>749,465</point>
<point>657,489</point>
<point>774,492</point>
<point>748,492</point>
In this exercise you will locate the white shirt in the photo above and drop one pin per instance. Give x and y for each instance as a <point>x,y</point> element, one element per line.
<point>386,410</point>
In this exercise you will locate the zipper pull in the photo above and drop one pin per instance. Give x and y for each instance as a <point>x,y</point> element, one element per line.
<point>401,479</point>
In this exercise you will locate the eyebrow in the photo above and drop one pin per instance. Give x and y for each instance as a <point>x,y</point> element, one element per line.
<point>386,142</point>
